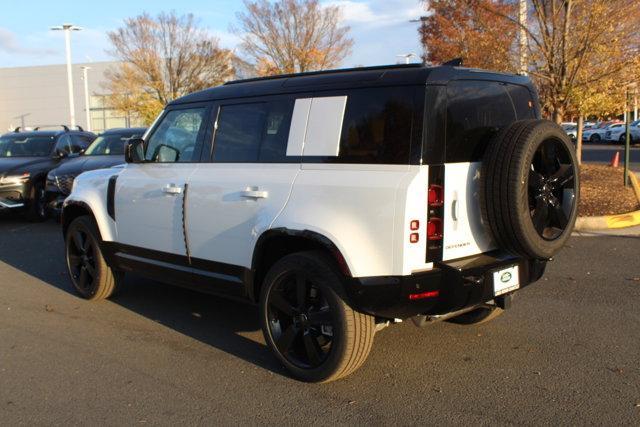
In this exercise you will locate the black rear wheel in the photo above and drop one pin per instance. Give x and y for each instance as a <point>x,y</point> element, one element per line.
<point>307,323</point>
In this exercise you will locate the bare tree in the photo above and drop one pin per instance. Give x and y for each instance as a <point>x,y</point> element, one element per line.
<point>289,36</point>
<point>163,58</point>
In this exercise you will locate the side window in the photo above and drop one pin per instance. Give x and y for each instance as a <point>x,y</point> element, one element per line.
<point>476,111</point>
<point>376,127</point>
<point>176,137</point>
<point>80,142</point>
<point>63,146</point>
<point>255,132</point>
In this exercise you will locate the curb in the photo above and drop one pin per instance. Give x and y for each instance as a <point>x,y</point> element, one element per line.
<point>606,222</point>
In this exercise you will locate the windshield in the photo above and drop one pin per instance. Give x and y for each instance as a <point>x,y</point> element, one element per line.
<point>26,146</point>
<point>109,145</point>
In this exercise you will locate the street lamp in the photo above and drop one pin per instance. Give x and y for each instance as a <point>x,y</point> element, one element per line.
<point>67,28</point>
<point>85,77</point>
<point>407,57</point>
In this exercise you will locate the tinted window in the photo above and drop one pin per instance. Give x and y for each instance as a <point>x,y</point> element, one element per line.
<point>63,146</point>
<point>109,144</point>
<point>476,111</point>
<point>256,132</point>
<point>175,139</point>
<point>376,127</point>
<point>26,146</point>
<point>80,142</point>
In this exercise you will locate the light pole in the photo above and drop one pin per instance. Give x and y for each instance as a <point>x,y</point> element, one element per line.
<point>522,37</point>
<point>67,28</point>
<point>85,77</point>
<point>407,57</point>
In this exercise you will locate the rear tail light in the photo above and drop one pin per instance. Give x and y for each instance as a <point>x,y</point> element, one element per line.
<point>435,213</point>
<point>434,229</point>
<point>436,195</point>
<point>422,295</point>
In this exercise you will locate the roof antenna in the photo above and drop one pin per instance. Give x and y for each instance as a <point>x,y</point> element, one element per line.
<point>457,62</point>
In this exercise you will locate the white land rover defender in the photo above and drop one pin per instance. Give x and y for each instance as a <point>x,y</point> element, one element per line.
<point>337,201</point>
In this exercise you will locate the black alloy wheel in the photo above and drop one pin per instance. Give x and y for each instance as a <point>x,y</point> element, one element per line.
<point>81,255</point>
<point>300,320</point>
<point>551,189</point>
<point>91,275</point>
<point>37,208</point>
<point>307,322</point>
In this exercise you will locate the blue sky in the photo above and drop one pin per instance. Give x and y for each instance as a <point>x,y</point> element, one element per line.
<point>380,28</point>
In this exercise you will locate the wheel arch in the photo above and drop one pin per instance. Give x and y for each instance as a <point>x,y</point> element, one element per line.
<point>276,243</point>
<point>72,210</point>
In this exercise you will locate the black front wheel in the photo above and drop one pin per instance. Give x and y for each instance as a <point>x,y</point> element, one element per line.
<point>37,208</point>
<point>307,323</point>
<point>90,274</point>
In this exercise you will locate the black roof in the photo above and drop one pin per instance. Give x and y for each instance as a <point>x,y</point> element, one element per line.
<point>31,133</point>
<point>124,131</point>
<point>388,75</point>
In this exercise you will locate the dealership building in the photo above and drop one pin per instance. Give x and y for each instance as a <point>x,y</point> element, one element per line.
<point>38,96</point>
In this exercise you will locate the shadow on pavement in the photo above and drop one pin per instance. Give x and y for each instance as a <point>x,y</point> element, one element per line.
<point>37,249</point>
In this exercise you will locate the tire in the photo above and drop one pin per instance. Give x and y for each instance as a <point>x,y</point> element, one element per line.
<point>623,139</point>
<point>37,207</point>
<point>89,272</point>
<point>595,138</point>
<point>530,188</point>
<point>308,324</point>
<point>477,316</point>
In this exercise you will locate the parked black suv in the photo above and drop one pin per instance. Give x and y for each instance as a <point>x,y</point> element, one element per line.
<point>25,159</point>
<point>106,151</point>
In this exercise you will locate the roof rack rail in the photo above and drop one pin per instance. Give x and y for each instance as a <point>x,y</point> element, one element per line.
<point>64,127</point>
<point>322,72</point>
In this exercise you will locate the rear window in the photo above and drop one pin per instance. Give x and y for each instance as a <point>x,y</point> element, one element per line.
<point>376,127</point>
<point>476,111</point>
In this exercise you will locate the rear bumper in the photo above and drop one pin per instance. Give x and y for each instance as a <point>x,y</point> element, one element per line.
<point>461,283</point>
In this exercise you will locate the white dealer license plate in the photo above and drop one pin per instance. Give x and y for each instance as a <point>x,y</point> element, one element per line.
<point>505,280</point>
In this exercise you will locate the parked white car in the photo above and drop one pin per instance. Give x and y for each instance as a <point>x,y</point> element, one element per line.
<point>339,202</point>
<point>598,134</point>
<point>618,134</point>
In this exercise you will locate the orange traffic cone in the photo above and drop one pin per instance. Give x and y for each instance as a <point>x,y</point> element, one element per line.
<point>615,161</point>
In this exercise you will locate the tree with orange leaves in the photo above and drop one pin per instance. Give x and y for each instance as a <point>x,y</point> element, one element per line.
<point>469,29</point>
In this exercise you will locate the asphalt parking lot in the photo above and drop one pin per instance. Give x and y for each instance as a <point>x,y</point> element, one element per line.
<point>603,153</point>
<point>568,352</point>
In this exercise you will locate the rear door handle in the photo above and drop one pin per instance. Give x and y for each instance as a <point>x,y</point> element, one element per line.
<point>254,193</point>
<point>172,189</point>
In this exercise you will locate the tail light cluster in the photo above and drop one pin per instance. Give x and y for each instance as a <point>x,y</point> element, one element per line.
<point>435,213</point>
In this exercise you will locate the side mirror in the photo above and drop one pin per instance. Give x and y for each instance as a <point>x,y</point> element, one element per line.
<point>134,151</point>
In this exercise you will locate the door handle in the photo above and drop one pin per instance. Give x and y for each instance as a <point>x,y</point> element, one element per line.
<point>172,189</point>
<point>254,193</point>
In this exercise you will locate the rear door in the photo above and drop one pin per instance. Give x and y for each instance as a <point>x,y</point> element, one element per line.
<point>243,182</point>
<point>476,111</point>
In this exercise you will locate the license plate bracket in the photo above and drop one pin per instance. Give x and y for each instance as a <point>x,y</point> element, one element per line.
<point>506,280</point>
